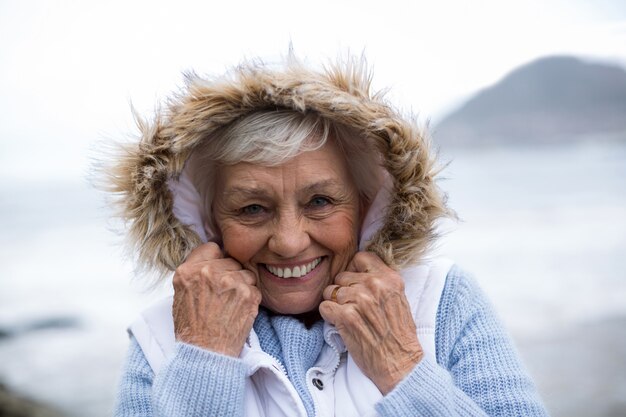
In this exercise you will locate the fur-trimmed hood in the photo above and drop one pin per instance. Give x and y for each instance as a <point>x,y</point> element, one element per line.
<point>157,200</point>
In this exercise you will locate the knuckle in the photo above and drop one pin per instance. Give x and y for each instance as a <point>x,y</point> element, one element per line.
<point>361,256</point>
<point>249,276</point>
<point>376,284</point>
<point>207,271</point>
<point>351,316</point>
<point>244,292</point>
<point>182,277</point>
<point>223,280</point>
<point>368,257</point>
<point>212,245</point>
<point>249,294</point>
<point>181,271</point>
<point>363,298</point>
<point>212,248</point>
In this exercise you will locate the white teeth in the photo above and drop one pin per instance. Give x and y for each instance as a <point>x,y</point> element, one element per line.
<point>296,271</point>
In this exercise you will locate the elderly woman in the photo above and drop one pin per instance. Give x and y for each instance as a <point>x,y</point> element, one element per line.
<point>296,209</point>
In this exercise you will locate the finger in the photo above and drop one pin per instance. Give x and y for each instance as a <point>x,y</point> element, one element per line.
<point>330,292</point>
<point>227,264</point>
<point>232,279</point>
<point>227,282</point>
<point>205,252</point>
<point>330,311</point>
<point>248,277</point>
<point>346,295</point>
<point>217,267</point>
<point>346,279</point>
<point>365,262</point>
<point>243,292</point>
<point>340,295</point>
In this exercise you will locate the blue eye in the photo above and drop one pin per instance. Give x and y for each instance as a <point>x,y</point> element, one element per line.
<point>317,202</point>
<point>252,209</point>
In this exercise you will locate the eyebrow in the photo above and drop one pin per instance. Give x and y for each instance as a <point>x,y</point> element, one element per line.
<point>251,192</point>
<point>245,191</point>
<point>323,185</point>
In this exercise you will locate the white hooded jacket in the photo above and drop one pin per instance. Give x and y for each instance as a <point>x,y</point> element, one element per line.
<point>476,371</point>
<point>335,382</point>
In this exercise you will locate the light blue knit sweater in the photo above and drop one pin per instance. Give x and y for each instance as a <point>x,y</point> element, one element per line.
<point>477,372</point>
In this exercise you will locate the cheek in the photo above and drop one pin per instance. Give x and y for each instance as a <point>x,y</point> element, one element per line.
<point>240,242</point>
<point>341,236</point>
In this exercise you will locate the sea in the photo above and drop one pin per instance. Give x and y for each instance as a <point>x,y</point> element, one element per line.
<point>541,228</point>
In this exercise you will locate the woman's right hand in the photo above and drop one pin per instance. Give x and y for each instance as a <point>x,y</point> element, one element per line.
<point>215,301</point>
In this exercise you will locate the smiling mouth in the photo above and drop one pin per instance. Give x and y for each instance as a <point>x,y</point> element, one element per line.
<point>296,271</point>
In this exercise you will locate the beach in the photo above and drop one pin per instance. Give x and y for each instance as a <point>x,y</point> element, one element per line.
<point>543,230</point>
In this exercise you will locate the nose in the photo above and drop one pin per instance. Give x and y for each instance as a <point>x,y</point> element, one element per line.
<point>289,236</point>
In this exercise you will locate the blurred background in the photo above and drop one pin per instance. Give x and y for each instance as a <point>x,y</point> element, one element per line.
<point>526,102</point>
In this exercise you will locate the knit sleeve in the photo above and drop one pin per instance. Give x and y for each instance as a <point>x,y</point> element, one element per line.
<point>478,371</point>
<point>194,382</point>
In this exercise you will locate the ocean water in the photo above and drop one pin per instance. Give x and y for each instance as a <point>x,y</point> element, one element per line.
<point>543,230</point>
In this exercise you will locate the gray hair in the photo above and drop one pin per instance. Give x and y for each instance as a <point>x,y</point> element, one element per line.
<point>271,138</point>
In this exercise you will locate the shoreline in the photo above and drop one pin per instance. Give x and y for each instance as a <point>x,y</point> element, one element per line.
<point>16,405</point>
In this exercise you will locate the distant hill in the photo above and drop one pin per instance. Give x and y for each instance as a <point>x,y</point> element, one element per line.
<point>548,100</point>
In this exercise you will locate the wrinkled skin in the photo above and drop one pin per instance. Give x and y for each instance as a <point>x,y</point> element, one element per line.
<point>374,319</point>
<point>304,209</point>
<point>207,283</point>
<point>288,215</point>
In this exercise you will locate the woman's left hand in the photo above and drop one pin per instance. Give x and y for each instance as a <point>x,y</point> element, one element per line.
<point>368,307</point>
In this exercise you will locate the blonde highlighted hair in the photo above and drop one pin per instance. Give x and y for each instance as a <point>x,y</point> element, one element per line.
<point>273,137</point>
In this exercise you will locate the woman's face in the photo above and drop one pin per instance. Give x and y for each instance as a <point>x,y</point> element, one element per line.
<point>294,225</point>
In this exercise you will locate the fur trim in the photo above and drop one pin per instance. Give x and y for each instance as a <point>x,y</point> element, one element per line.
<point>341,92</point>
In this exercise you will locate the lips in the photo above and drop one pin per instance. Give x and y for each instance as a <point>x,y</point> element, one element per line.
<point>295,271</point>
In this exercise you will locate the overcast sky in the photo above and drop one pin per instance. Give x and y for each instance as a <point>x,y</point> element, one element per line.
<point>68,69</point>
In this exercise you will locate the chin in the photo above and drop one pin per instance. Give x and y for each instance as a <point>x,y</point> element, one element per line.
<point>292,307</point>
